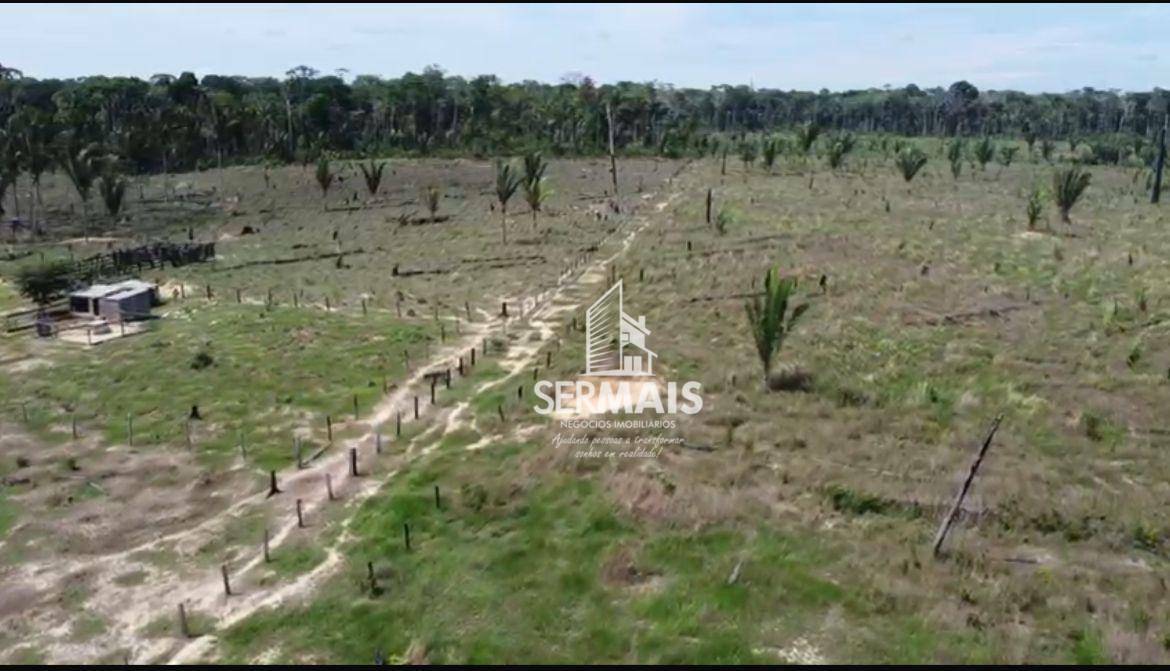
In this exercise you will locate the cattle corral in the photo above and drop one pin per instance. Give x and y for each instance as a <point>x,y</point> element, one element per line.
<point>328,350</point>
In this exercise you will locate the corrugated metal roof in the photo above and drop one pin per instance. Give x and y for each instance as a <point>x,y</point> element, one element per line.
<point>121,289</point>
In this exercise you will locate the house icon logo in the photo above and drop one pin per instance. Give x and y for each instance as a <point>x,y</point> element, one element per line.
<point>615,342</point>
<point>615,347</point>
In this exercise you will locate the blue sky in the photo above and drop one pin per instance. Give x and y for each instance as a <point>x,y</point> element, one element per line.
<point>1023,47</point>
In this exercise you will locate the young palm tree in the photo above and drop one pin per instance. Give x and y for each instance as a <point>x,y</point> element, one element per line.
<point>112,188</point>
<point>372,173</point>
<point>839,147</point>
<point>1035,208</point>
<point>507,181</point>
<point>955,156</point>
<point>431,195</point>
<point>535,192</point>
<point>771,148</point>
<point>747,153</point>
<point>325,177</point>
<point>806,135</point>
<point>769,318</point>
<point>1007,154</point>
<point>1046,147</point>
<point>984,152</point>
<point>1068,184</point>
<point>909,161</point>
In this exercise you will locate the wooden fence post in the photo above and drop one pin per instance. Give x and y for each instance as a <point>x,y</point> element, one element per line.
<point>353,469</point>
<point>184,627</point>
<point>300,515</point>
<point>227,585</point>
<point>273,489</point>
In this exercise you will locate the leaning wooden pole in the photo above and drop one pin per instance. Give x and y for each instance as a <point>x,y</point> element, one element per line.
<point>612,157</point>
<point>945,527</point>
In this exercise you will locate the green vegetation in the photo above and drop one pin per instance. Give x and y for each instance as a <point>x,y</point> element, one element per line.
<point>260,373</point>
<point>45,283</point>
<point>1068,184</point>
<point>372,174</point>
<point>507,181</point>
<point>324,176</point>
<point>535,187</point>
<point>769,318</point>
<point>112,188</point>
<point>909,161</point>
<point>578,580</point>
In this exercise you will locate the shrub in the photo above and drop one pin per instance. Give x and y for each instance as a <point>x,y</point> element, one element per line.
<point>1068,185</point>
<point>909,161</point>
<point>372,173</point>
<point>42,284</point>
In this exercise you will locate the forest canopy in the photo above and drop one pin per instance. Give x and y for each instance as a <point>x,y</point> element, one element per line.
<point>180,122</point>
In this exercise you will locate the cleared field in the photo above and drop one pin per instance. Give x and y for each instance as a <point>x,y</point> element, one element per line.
<point>791,525</point>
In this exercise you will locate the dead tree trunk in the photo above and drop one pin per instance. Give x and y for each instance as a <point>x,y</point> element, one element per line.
<point>1156,192</point>
<point>612,158</point>
<point>949,520</point>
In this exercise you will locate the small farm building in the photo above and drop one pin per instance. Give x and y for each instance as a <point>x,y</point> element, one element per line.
<point>124,301</point>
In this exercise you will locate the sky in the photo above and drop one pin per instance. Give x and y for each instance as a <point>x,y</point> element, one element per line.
<point>1030,48</point>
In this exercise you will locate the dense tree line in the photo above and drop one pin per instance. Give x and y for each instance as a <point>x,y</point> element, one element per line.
<point>181,122</point>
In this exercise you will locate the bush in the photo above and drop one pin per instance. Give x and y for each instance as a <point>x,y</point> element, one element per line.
<point>45,283</point>
<point>202,360</point>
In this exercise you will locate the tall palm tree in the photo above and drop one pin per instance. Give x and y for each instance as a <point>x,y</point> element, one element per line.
<point>507,181</point>
<point>325,177</point>
<point>81,167</point>
<point>11,159</point>
<point>112,187</point>
<point>535,191</point>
